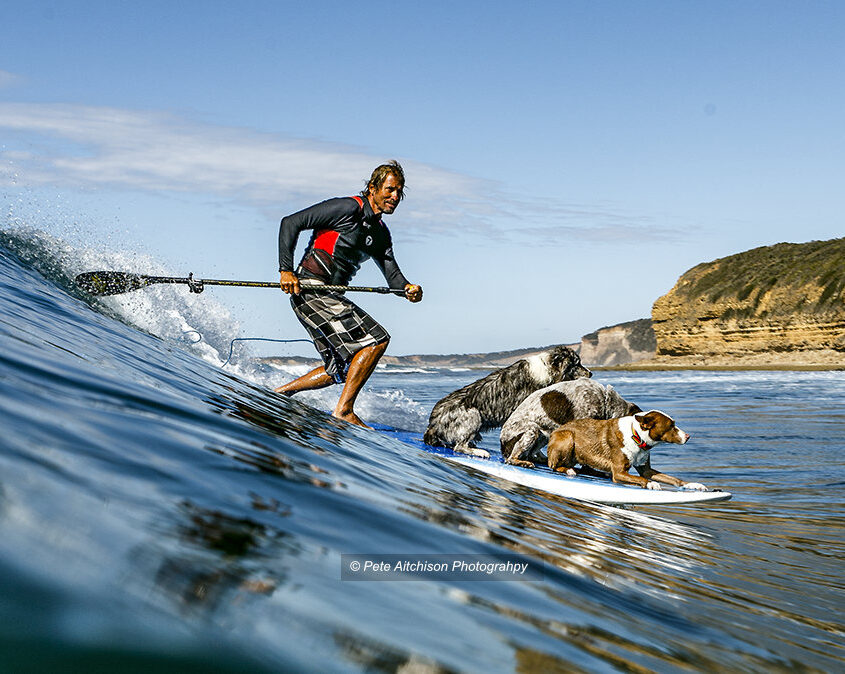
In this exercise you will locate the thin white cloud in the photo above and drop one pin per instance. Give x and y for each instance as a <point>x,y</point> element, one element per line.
<point>152,151</point>
<point>603,233</point>
<point>99,146</point>
<point>8,79</point>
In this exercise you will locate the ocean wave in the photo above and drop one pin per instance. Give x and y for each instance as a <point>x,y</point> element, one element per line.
<point>160,511</point>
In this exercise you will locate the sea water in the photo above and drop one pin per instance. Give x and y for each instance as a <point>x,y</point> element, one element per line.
<point>160,511</point>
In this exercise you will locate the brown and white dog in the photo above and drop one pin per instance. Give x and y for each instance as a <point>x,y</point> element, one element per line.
<point>457,420</point>
<point>527,430</point>
<point>614,445</point>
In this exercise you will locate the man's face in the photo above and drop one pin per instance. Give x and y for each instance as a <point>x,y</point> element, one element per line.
<point>386,198</point>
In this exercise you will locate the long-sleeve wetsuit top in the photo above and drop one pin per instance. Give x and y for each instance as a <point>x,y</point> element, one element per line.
<point>346,233</point>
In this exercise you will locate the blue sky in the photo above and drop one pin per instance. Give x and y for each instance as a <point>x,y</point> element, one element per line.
<point>566,161</point>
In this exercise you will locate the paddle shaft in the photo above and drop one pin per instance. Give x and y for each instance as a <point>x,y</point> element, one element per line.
<point>275,284</point>
<point>115,282</point>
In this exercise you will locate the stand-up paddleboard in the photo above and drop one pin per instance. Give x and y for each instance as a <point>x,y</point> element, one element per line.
<point>581,488</point>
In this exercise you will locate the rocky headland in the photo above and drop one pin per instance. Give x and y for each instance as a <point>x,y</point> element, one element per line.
<point>780,306</point>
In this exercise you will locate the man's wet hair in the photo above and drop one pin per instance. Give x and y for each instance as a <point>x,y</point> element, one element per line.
<point>380,174</point>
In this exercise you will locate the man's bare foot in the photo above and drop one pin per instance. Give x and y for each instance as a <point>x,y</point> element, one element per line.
<point>352,418</point>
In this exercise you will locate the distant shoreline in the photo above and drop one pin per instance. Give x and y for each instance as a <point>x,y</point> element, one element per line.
<point>628,367</point>
<point>822,360</point>
<point>634,367</point>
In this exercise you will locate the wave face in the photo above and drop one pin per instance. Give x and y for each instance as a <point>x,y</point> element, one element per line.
<point>160,510</point>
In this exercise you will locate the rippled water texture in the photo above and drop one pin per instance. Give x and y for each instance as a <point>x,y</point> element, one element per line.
<point>157,511</point>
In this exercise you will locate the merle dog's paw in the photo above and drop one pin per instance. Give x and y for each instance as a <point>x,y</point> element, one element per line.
<point>520,463</point>
<point>474,451</point>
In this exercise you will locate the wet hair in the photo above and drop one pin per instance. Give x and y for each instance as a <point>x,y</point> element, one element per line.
<point>380,174</point>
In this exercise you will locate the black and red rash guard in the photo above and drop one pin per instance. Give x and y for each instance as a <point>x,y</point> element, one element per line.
<point>346,233</point>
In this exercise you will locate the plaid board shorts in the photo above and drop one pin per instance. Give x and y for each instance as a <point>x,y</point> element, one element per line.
<point>338,327</point>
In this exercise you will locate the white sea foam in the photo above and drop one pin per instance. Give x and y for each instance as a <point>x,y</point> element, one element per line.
<point>394,369</point>
<point>194,322</point>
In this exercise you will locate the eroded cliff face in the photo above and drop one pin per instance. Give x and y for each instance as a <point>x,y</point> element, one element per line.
<point>775,305</point>
<point>619,344</point>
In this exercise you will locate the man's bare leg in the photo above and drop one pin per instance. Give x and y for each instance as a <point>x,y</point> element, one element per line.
<point>317,378</point>
<point>362,366</point>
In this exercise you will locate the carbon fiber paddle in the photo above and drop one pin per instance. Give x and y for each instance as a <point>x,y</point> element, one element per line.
<point>117,282</point>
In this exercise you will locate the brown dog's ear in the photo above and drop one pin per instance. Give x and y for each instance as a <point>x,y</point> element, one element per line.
<point>646,421</point>
<point>633,409</point>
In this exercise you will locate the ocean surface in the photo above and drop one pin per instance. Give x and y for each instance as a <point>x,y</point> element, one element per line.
<point>159,510</point>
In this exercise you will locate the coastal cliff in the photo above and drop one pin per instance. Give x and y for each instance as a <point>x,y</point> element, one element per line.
<point>619,344</point>
<point>776,305</point>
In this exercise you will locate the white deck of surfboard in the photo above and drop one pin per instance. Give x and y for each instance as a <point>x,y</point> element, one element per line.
<point>581,488</point>
<point>596,490</point>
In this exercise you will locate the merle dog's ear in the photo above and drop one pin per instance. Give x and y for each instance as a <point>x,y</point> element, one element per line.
<point>560,356</point>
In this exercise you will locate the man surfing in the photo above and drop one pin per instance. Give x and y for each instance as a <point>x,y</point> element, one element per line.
<point>347,231</point>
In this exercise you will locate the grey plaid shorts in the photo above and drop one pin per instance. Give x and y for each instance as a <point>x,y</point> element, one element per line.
<point>338,327</point>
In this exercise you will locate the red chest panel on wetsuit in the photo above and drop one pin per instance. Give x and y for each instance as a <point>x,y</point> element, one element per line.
<point>326,239</point>
<point>320,260</point>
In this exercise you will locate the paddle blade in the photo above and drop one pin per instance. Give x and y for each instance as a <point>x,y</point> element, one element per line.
<point>110,282</point>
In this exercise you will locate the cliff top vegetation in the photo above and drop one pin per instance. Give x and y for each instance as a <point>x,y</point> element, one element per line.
<point>784,278</point>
